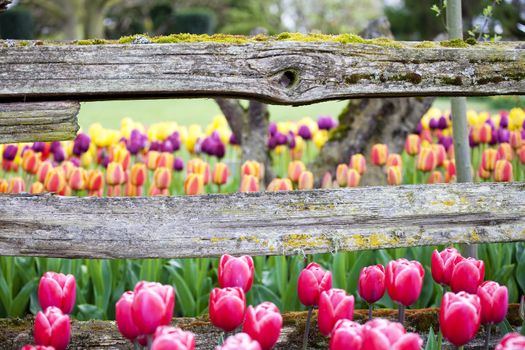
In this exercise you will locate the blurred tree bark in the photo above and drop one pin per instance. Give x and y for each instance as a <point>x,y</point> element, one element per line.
<point>3,4</point>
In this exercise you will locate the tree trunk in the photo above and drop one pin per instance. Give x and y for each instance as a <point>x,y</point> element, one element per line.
<point>367,121</point>
<point>94,19</point>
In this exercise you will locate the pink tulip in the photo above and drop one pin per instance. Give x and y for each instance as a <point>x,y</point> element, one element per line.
<point>226,308</point>
<point>236,272</point>
<point>442,265</point>
<point>512,341</point>
<point>57,289</point>
<point>494,301</point>
<point>380,334</point>
<point>152,306</point>
<point>467,275</point>
<point>371,285</point>
<point>36,347</point>
<point>263,324</point>
<point>404,280</point>
<point>124,317</point>
<point>334,305</point>
<point>239,341</point>
<point>346,335</point>
<point>312,281</point>
<point>459,317</point>
<point>52,328</point>
<point>171,338</point>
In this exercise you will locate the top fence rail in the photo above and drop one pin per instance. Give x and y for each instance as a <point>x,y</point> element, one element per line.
<point>295,72</point>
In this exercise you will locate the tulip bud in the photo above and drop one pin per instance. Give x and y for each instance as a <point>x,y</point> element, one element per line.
<point>37,347</point>
<point>194,184</point>
<point>379,154</point>
<point>467,274</point>
<point>371,284</point>
<point>435,177</point>
<point>239,341</point>
<point>220,174</point>
<point>124,317</point>
<point>263,324</point>
<point>521,154</point>
<point>252,167</point>
<point>412,144</point>
<point>36,188</point>
<point>334,305</point>
<point>236,272</point>
<point>426,160</point>
<point>394,159</point>
<point>313,280</point>
<point>442,264</point>
<point>459,317</point>
<point>488,159</point>
<point>16,185</point>
<point>341,175</point>
<point>67,168</point>
<point>353,178</point>
<point>393,175</point>
<point>226,308</point>
<point>52,328</point>
<point>115,174</point>
<point>162,178</point>
<point>165,160</point>
<point>494,301</point>
<point>249,183</point>
<point>295,169</point>
<point>483,174</point>
<point>358,162</point>
<point>151,159</point>
<point>30,161</point>
<point>505,152</point>
<point>167,337</point>
<point>326,181</point>
<point>306,180</point>
<point>279,185</point>
<point>57,289</point>
<point>383,334</point>
<point>503,171</point>
<point>138,174</point>
<point>485,133</point>
<point>346,335</point>
<point>404,280</point>
<point>198,166</point>
<point>515,139</point>
<point>95,182</point>
<point>43,169</point>
<point>152,306</point>
<point>4,186</point>
<point>77,180</point>
<point>511,341</point>
<point>440,154</point>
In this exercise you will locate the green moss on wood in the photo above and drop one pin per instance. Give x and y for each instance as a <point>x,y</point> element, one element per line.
<point>425,45</point>
<point>92,42</point>
<point>457,80</point>
<point>454,43</point>
<point>471,41</point>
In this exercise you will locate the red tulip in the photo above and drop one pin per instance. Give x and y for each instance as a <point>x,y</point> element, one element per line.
<point>227,308</point>
<point>36,347</point>
<point>371,285</point>
<point>379,154</point>
<point>57,289</point>
<point>346,335</point>
<point>152,306</point>
<point>171,338</point>
<point>124,317</point>
<point>263,324</point>
<point>494,301</point>
<point>236,272</point>
<point>313,280</point>
<point>442,265</point>
<point>380,334</point>
<point>459,317</point>
<point>467,275</point>
<point>404,280</point>
<point>239,341</point>
<point>52,328</point>
<point>512,341</point>
<point>334,305</point>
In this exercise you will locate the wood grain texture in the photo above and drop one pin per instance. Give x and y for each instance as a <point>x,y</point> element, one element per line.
<point>283,223</point>
<point>38,121</point>
<point>284,72</point>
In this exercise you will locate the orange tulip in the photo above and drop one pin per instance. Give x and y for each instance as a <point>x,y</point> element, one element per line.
<point>505,152</point>
<point>435,177</point>
<point>503,171</point>
<point>412,144</point>
<point>450,171</point>
<point>488,159</point>
<point>440,154</point>
<point>166,160</point>
<point>353,178</point>
<point>16,185</point>
<point>121,155</point>
<point>249,183</point>
<point>3,186</point>
<point>95,182</point>
<point>67,168</point>
<point>515,139</point>
<point>220,174</point>
<point>162,178</point>
<point>326,181</point>
<point>280,185</point>
<point>306,180</point>
<point>252,167</point>
<point>138,174</point>
<point>151,160</point>
<point>484,174</point>
<point>394,159</point>
<point>194,184</point>
<point>77,180</point>
<point>426,160</point>
<point>115,174</point>
<point>485,133</point>
<point>36,187</point>
<point>55,180</point>
<point>521,154</point>
<point>341,175</point>
<point>358,162</point>
<point>379,154</point>
<point>393,175</point>
<point>43,169</point>
<point>198,166</point>
<point>30,161</point>
<point>295,168</point>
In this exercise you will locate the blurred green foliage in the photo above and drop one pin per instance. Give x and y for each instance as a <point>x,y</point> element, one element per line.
<point>16,23</point>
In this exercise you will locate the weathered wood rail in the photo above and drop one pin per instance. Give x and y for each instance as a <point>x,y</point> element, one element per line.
<point>261,223</point>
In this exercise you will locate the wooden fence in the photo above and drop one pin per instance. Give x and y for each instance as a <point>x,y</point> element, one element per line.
<point>41,84</point>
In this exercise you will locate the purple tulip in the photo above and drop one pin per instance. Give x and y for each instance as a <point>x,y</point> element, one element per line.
<point>326,123</point>
<point>233,139</point>
<point>178,164</point>
<point>272,129</point>
<point>155,146</point>
<point>272,142</point>
<point>39,146</point>
<point>54,146</point>
<point>10,152</point>
<point>220,150</point>
<point>82,141</point>
<point>495,137</point>
<point>59,155</point>
<point>419,128</point>
<point>281,138</point>
<point>471,141</point>
<point>503,135</point>
<point>75,161</point>
<point>442,122</point>
<point>433,124</point>
<point>304,132</point>
<point>504,120</point>
<point>446,141</point>
<point>167,146</point>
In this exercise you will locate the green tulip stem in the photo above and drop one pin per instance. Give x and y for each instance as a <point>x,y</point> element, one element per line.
<point>487,336</point>
<point>440,340</point>
<point>150,340</point>
<point>460,348</point>
<point>401,314</point>
<point>307,328</point>
<point>136,345</point>
<point>370,308</point>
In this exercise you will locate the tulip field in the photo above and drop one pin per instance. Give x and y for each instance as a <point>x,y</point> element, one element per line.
<point>249,294</point>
